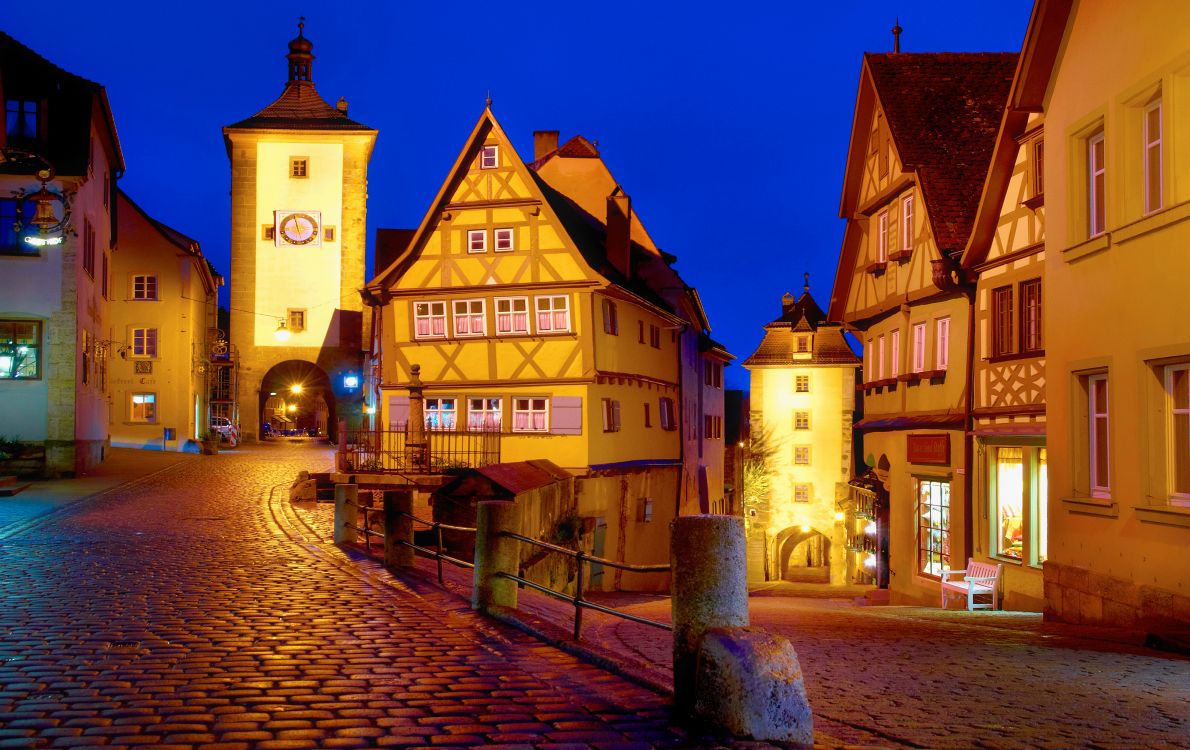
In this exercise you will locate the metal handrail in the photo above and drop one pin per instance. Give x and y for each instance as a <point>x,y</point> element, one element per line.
<point>437,527</point>
<point>577,600</point>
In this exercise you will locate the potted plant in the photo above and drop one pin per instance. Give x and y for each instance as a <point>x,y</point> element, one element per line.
<point>210,443</point>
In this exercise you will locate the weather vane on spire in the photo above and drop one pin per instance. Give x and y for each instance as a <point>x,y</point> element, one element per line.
<point>896,30</point>
<point>487,102</point>
<point>301,24</point>
<point>806,288</point>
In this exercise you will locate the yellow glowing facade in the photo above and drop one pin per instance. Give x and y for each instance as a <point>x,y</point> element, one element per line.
<point>802,406</point>
<point>1117,342</point>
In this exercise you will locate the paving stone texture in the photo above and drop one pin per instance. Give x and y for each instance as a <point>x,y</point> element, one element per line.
<point>195,611</point>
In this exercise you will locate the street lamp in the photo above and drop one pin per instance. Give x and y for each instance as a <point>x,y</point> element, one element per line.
<point>282,333</point>
<point>295,388</point>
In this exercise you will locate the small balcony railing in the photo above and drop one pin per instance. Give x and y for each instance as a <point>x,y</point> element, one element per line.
<point>402,451</point>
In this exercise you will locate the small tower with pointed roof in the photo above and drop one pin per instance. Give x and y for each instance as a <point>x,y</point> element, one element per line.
<point>803,400</point>
<point>299,170</point>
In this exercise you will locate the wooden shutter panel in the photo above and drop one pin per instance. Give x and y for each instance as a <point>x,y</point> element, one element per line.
<point>566,416</point>
<point>398,412</point>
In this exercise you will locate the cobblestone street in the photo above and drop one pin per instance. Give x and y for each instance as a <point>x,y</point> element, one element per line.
<point>179,613</point>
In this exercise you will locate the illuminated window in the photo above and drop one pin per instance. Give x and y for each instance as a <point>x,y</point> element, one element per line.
<point>801,493</point>
<point>1018,497</point>
<point>801,420</point>
<point>1009,498</point>
<point>530,415</point>
<point>1152,162</point>
<point>611,415</point>
<point>907,223</point>
<point>142,407</point>
<point>477,241</point>
<point>933,526</point>
<point>20,349</point>
<point>295,319</point>
<point>470,319</point>
<point>919,347</point>
<point>441,413</point>
<point>490,157</point>
<point>429,320</point>
<point>1096,210</point>
<point>484,413</point>
<point>503,240</point>
<point>1041,512</point>
<point>801,384</point>
<point>611,323</point>
<point>298,166</point>
<point>144,287</point>
<point>553,314</point>
<point>801,455</point>
<point>942,344</point>
<point>144,342</point>
<point>512,315</point>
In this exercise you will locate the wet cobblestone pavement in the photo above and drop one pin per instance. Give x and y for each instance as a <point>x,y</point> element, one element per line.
<point>192,612</point>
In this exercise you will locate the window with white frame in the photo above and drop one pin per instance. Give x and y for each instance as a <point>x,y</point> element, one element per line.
<point>801,420</point>
<point>144,342</point>
<point>907,223</point>
<point>429,320</point>
<point>801,493</point>
<point>919,347</point>
<point>1152,161</point>
<point>1097,435</point>
<point>1177,394</point>
<point>144,287</point>
<point>1031,329</point>
<point>803,344</point>
<point>512,315</point>
<point>530,414</point>
<point>441,413</point>
<point>1096,208</point>
<point>142,407</point>
<point>801,384</point>
<point>894,346</point>
<point>942,344</point>
<point>477,240</point>
<point>611,415</point>
<point>504,240</point>
<point>553,314</point>
<point>484,413</point>
<point>470,319</point>
<point>880,357</point>
<point>933,526</point>
<point>882,237</point>
<point>489,157</point>
<point>870,361</point>
<point>801,455</point>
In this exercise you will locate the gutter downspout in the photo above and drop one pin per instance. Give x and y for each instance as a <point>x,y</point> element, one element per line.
<point>969,291</point>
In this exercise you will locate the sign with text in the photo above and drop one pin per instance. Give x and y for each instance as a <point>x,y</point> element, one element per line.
<point>928,449</point>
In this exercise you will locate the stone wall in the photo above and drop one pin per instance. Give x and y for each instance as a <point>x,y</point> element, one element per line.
<point>1084,597</point>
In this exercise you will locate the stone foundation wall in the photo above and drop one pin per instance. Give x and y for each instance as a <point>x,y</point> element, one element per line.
<point>1084,597</point>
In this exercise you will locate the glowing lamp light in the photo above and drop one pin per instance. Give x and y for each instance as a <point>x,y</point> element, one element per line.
<point>870,529</point>
<point>805,528</point>
<point>292,407</point>
<point>870,561</point>
<point>351,381</point>
<point>282,333</point>
<point>272,393</point>
<point>741,443</point>
<point>839,516</point>
<point>369,410</point>
<point>295,388</point>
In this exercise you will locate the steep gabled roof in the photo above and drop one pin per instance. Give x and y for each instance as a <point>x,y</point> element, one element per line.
<point>803,315</point>
<point>943,111</point>
<point>187,245</point>
<point>299,108</point>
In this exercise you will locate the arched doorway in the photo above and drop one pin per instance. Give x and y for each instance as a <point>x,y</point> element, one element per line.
<point>803,555</point>
<point>296,399</point>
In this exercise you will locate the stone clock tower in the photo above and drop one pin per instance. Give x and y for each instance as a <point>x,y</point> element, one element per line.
<point>299,188</point>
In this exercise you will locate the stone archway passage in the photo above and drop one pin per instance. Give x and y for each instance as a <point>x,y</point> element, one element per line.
<point>296,396</point>
<point>803,556</point>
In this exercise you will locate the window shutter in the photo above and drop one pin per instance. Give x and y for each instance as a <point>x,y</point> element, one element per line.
<point>398,412</point>
<point>567,415</point>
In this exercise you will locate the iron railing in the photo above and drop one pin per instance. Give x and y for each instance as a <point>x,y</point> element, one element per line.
<point>437,527</point>
<point>577,600</point>
<point>437,451</point>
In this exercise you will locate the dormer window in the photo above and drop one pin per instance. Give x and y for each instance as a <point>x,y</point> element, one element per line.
<point>803,344</point>
<point>489,158</point>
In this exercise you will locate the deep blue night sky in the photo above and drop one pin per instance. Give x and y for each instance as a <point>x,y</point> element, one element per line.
<point>726,123</point>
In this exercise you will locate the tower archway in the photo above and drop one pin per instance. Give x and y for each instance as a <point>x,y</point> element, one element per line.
<point>802,555</point>
<point>296,397</point>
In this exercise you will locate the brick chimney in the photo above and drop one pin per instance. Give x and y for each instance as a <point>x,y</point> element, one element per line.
<point>544,141</point>
<point>619,231</point>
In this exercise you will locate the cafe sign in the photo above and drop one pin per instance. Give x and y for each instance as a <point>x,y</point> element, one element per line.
<point>928,449</point>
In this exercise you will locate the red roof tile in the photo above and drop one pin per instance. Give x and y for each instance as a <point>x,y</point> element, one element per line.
<point>300,108</point>
<point>944,110</point>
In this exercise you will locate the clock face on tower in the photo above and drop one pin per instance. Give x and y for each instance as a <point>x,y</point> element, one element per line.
<point>298,228</point>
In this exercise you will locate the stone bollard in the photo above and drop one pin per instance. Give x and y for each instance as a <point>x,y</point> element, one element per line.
<point>495,554</point>
<point>398,528</point>
<point>709,590</point>
<point>346,512</point>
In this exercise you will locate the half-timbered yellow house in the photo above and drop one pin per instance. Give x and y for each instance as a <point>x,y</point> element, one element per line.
<point>922,137</point>
<point>530,315</point>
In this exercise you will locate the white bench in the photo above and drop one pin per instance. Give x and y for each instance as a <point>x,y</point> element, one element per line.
<point>979,579</point>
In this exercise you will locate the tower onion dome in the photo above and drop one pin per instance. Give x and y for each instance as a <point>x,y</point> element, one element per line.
<point>301,55</point>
